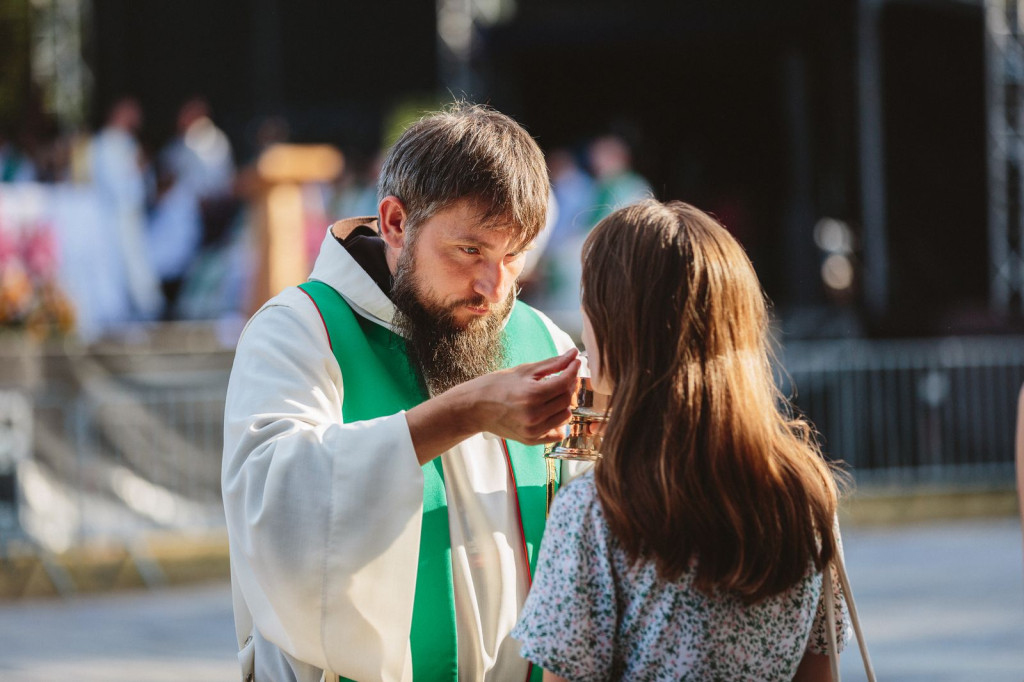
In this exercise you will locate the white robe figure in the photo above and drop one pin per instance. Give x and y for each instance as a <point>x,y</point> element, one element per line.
<point>324,517</point>
<point>120,184</point>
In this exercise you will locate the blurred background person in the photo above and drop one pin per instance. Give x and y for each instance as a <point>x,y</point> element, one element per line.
<point>555,283</point>
<point>579,201</point>
<point>200,155</point>
<point>16,164</point>
<point>611,161</point>
<point>195,180</point>
<point>218,283</point>
<point>574,192</point>
<point>117,174</point>
<point>355,193</point>
<point>173,235</point>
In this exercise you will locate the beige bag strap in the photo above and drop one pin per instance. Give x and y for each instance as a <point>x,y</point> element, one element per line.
<point>830,620</point>
<point>830,615</point>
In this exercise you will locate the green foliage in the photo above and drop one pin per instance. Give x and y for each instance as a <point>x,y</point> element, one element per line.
<point>408,111</point>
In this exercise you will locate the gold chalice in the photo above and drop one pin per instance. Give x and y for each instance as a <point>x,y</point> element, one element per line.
<point>589,414</point>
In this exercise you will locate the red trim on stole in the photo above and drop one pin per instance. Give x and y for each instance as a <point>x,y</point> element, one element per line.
<point>322,320</point>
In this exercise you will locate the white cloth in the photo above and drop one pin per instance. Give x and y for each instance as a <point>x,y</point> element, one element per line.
<point>324,517</point>
<point>174,233</point>
<point>120,184</point>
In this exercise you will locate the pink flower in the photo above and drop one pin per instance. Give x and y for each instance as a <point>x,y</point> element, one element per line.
<point>40,253</point>
<point>8,248</point>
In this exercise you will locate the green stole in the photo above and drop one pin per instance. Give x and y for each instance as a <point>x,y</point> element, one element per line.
<point>379,381</point>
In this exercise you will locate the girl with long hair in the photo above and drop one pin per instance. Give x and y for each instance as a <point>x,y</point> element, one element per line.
<point>695,548</point>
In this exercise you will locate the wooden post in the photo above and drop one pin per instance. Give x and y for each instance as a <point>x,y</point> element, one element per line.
<point>280,240</point>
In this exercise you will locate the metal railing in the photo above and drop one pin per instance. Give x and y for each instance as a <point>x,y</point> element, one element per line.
<point>123,442</point>
<point>126,442</point>
<point>907,412</point>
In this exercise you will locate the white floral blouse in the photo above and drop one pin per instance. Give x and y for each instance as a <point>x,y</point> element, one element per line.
<point>591,615</point>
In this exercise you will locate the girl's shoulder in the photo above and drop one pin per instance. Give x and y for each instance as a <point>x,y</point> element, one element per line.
<point>577,512</point>
<point>577,497</point>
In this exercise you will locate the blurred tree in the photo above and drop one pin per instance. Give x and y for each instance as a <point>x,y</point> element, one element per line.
<point>406,112</point>
<point>58,67</point>
<point>15,65</point>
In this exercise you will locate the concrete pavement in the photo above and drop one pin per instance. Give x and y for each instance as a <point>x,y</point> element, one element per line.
<point>939,602</point>
<point>179,634</point>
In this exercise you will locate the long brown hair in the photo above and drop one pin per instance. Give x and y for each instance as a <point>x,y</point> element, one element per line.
<point>702,458</point>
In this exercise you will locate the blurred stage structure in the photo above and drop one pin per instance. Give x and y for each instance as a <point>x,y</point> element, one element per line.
<point>1005,104</point>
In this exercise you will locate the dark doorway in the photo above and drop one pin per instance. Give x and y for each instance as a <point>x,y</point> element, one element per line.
<point>934,102</point>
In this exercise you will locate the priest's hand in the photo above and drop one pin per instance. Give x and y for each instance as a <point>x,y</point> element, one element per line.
<point>529,403</point>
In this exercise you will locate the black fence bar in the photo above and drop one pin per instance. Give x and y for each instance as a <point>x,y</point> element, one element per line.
<point>911,411</point>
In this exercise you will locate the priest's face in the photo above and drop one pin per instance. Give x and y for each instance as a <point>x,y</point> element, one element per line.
<point>454,285</point>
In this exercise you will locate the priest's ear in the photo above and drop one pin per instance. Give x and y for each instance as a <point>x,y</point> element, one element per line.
<point>392,221</point>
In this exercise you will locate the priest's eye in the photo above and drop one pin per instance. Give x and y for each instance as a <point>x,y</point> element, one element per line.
<point>471,250</point>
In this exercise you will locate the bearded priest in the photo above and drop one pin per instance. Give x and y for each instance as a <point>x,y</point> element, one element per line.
<point>383,474</point>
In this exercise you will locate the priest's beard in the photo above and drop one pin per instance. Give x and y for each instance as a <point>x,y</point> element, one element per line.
<point>446,353</point>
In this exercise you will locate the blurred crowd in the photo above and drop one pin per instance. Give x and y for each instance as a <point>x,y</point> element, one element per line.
<point>133,234</point>
<point>586,185</point>
<point>131,227</point>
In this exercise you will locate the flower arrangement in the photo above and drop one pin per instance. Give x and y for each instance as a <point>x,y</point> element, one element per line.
<point>31,300</point>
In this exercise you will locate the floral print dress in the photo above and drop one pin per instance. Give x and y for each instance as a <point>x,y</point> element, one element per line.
<point>591,615</point>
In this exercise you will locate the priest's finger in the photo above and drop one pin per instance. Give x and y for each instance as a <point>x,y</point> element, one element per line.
<point>545,368</point>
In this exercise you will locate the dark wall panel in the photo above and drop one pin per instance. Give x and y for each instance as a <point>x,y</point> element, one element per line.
<point>936,170</point>
<point>332,68</point>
